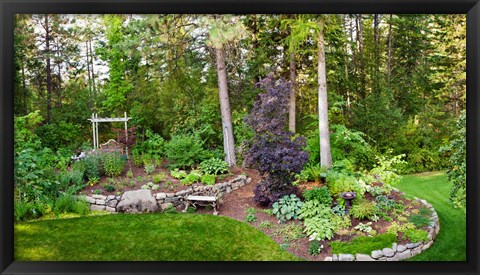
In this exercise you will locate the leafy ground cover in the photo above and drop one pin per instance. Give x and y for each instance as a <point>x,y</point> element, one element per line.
<point>147,237</point>
<point>450,244</point>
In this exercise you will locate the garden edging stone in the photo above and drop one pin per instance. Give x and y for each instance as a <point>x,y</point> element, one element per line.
<point>397,252</point>
<point>142,200</point>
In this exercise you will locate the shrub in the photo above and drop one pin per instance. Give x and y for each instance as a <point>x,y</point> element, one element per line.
<point>321,195</point>
<point>385,169</point>
<point>91,165</point>
<point>315,248</point>
<point>69,204</point>
<point>287,207</point>
<point>338,183</point>
<point>208,179</point>
<point>364,209</point>
<point>184,151</point>
<point>314,172</point>
<point>213,166</point>
<point>24,211</point>
<point>457,171</point>
<point>113,164</point>
<point>76,177</point>
<point>273,151</point>
<point>363,244</point>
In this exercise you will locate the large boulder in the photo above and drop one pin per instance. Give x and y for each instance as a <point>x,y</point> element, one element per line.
<point>137,201</point>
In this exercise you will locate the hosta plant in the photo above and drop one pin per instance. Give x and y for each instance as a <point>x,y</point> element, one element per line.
<point>364,227</point>
<point>178,174</point>
<point>312,209</point>
<point>213,166</point>
<point>287,208</point>
<point>318,228</point>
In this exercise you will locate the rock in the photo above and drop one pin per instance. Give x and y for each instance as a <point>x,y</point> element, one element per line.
<point>111,209</point>
<point>100,202</point>
<point>118,198</point>
<point>112,203</point>
<point>171,199</point>
<point>161,196</point>
<point>99,197</point>
<point>89,199</point>
<point>170,195</point>
<point>427,245</point>
<point>345,257</point>
<point>402,255</point>
<point>382,259</point>
<point>166,205</point>
<point>137,201</point>
<point>394,247</point>
<point>328,259</point>
<point>416,251</point>
<point>242,177</point>
<point>377,254</point>
<point>401,248</point>
<point>335,257</point>
<point>363,257</point>
<point>110,197</point>
<point>228,189</point>
<point>94,207</point>
<point>180,193</point>
<point>412,245</point>
<point>249,180</point>
<point>388,252</point>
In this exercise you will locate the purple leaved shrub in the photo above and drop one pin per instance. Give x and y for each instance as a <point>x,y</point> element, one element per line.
<point>274,151</point>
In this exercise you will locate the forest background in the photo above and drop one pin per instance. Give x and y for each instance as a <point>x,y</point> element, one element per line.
<point>396,83</point>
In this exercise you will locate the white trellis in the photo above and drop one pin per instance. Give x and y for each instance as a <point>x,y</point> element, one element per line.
<point>95,120</point>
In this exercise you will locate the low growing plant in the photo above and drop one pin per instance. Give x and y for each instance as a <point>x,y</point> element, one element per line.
<point>315,248</point>
<point>339,210</point>
<point>265,225</point>
<point>287,207</point>
<point>109,187</point>
<point>415,235</point>
<point>321,195</point>
<point>208,179</point>
<point>319,228</point>
<point>191,178</point>
<point>113,164</point>
<point>364,227</point>
<point>419,220</point>
<point>129,173</point>
<point>314,208</point>
<point>149,168</point>
<point>159,177</point>
<point>363,244</point>
<point>290,232</point>
<point>364,209</point>
<point>213,166</point>
<point>177,174</point>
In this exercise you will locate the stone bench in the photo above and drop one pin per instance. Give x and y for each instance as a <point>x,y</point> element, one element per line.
<point>202,201</point>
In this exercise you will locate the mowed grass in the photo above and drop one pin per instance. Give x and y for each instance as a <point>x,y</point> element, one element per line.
<point>450,244</point>
<point>144,237</point>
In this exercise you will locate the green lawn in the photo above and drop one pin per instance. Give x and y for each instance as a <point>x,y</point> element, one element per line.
<point>451,242</point>
<point>146,237</point>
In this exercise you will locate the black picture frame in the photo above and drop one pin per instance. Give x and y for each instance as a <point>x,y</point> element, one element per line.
<point>11,7</point>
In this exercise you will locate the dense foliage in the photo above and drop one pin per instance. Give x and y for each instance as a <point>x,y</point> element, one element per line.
<point>273,151</point>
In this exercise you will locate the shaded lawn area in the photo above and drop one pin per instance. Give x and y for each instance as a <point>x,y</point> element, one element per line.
<point>145,237</point>
<point>450,244</point>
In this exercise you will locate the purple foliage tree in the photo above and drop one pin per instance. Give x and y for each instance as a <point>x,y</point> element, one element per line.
<point>273,150</point>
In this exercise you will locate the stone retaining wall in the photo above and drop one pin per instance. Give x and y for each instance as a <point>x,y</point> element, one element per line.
<point>397,252</point>
<point>112,203</point>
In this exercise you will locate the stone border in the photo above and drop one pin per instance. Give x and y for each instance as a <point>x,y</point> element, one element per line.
<point>397,252</point>
<point>166,200</point>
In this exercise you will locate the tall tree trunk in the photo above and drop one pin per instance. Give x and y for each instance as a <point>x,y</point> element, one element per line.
<point>92,70</point>
<point>49,70</point>
<point>376,35</point>
<point>345,50</point>
<point>59,88</point>
<point>90,101</point>
<point>292,101</point>
<point>228,141</point>
<point>354,55</point>
<point>24,88</point>
<point>325,153</point>
<point>389,58</point>
<point>359,26</point>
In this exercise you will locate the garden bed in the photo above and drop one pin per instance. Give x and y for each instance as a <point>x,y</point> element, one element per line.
<point>290,236</point>
<point>140,178</point>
